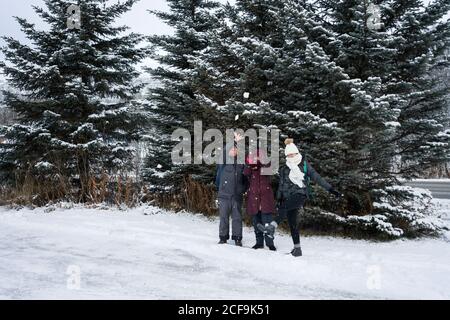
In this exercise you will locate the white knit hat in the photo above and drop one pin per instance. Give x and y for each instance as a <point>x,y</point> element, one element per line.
<point>290,147</point>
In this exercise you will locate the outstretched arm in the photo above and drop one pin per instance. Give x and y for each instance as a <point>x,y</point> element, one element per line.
<point>312,173</point>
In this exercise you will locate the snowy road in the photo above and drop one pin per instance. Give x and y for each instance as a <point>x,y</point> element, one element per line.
<point>440,188</point>
<point>117,254</point>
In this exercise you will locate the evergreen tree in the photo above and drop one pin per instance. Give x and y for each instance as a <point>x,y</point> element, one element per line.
<point>348,88</point>
<point>421,53</point>
<point>375,104</point>
<point>305,83</point>
<point>332,88</point>
<point>236,74</point>
<point>364,110</point>
<point>174,105</point>
<point>74,98</point>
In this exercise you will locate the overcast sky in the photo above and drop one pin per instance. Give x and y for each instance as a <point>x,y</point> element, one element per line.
<point>138,19</point>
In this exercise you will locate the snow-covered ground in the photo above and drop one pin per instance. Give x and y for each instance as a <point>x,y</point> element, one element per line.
<point>149,253</point>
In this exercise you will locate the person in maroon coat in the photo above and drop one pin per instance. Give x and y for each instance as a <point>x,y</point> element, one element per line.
<point>260,198</point>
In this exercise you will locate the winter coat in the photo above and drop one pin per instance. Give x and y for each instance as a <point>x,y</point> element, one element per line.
<point>287,190</point>
<point>230,180</point>
<point>260,194</point>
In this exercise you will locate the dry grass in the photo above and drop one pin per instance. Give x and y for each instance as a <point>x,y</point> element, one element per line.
<point>193,196</point>
<point>40,191</point>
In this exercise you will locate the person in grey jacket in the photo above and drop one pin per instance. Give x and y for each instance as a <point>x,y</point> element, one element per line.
<point>292,193</point>
<point>231,185</point>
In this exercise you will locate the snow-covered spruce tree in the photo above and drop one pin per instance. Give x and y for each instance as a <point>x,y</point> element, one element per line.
<point>371,104</point>
<point>269,49</point>
<point>365,110</point>
<point>422,138</point>
<point>310,102</point>
<point>173,104</point>
<point>236,73</point>
<point>305,80</point>
<point>331,88</point>
<point>239,64</point>
<point>263,49</point>
<point>74,99</point>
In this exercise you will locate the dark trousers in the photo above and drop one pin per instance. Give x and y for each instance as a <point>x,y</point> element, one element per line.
<point>262,218</point>
<point>291,213</point>
<point>292,218</point>
<point>229,207</point>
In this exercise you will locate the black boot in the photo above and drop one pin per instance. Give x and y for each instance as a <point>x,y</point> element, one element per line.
<point>297,252</point>
<point>272,248</point>
<point>222,241</point>
<point>238,243</point>
<point>258,246</point>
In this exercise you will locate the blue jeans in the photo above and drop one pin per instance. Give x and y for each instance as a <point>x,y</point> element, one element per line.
<point>262,218</point>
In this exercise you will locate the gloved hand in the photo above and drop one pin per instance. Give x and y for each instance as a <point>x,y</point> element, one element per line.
<point>336,193</point>
<point>268,229</point>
